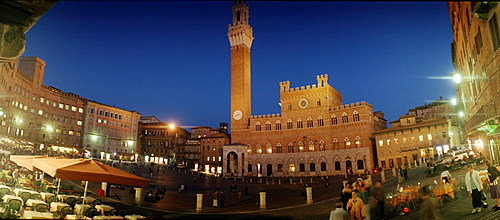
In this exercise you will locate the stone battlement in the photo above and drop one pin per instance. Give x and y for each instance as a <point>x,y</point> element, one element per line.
<point>351,105</point>
<point>322,82</point>
<point>265,116</point>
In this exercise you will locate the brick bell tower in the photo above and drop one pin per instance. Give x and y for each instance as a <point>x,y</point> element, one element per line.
<point>240,37</point>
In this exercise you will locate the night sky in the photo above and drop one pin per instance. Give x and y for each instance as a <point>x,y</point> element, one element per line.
<point>172,59</point>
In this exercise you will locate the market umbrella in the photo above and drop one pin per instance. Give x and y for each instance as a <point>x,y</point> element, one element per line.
<point>25,160</point>
<point>87,170</point>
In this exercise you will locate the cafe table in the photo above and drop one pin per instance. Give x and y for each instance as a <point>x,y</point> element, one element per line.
<point>37,215</point>
<point>57,206</point>
<point>77,217</point>
<point>135,217</point>
<point>34,202</point>
<point>46,195</point>
<point>17,191</point>
<point>112,217</point>
<point>103,208</point>
<point>63,198</point>
<point>444,189</point>
<point>7,198</point>
<point>81,208</point>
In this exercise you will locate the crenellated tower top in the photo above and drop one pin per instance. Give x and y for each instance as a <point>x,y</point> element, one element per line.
<point>239,32</point>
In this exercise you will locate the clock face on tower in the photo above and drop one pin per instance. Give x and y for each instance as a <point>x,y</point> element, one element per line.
<point>237,115</point>
<point>303,103</point>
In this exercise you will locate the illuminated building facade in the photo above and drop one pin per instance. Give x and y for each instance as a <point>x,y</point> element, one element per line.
<point>158,140</point>
<point>36,115</point>
<point>315,133</point>
<point>110,132</point>
<point>475,56</point>
<point>212,142</point>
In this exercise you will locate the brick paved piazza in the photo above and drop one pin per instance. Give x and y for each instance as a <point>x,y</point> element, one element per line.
<point>175,204</point>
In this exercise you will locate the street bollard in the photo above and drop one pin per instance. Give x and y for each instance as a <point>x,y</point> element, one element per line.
<point>291,181</point>
<point>416,163</point>
<point>199,202</point>
<point>250,180</point>
<point>262,200</point>
<point>279,181</point>
<point>104,186</point>
<point>382,176</point>
<point>309,192</point>
<point>300,180</point>
<point>311,179</point>
<point>368,181</point>
<point>138,196</point>
<point>394,172</point>
<point>409,166</point>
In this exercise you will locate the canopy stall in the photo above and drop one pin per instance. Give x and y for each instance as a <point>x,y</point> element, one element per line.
<point>25,160</point>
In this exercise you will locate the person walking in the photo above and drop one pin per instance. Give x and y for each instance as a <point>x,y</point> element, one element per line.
<point>215,196</point>
<point>493,174</point>
<point>356,207</point>
<point>446,176</point>
<point>474,187</point>
<point>346,195</point>
<point>222,198</point>
<point>339,213</point>
<point>430,205</point>
<point>378,193</point>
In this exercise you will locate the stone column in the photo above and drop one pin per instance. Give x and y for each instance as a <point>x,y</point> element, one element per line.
<point>416,163</point>
<point>138,196</point>
<point>309,192</point>
<point>262,200</point>
<point>199,202</point>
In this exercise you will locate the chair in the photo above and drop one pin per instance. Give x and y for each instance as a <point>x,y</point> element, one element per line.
<point>71,201</point>
<point>110,212</point>
<point>90,212</point>
<point>36,196</point>
<point>51,199</point>
<point>41,207</point>
<point>79,201</point>
<point>15,204</point>
<point>96,202</point>
<point>4,191</point>
<point>25,196</point>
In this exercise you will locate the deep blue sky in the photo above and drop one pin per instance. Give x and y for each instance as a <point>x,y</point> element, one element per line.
<point>171,59</point>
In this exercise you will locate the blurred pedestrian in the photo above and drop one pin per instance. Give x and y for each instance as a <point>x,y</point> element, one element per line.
<point>215,198</point>
<point>493,174</point>
<point>430,205</point>
<point>446,176</point>
<point>378,193</point>
<point>474,187</point>
<point>356,207</point>
<point>222,198</point>
<point>339,213</point>
<point>346,195</point>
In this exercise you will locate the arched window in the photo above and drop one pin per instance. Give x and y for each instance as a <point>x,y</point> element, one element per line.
<point>334,119</point>
<point>249,149</point>
<point>345,119</point>
<point>322,145</point>
<point>337,165</point>
<point>289,106</point>
<point>361,165</point>
<point>289,124</point>
<point>299,123</point>
<point>320,121</point>
<point>311,146</point>
<point>347,142</point>
<point>318,102</point>
<point>259,149</point>
<point>312,167</point>
<point>290,148</point>
<point>269,149</point>
<point>278,125</point>
<point>323,166</point>
<point>335,144</point>
<point>309,122</point>
<point>258,127</point>
<point>355,116</point>
<point>279,148</point>
<point>268,125</point>
<point>301,147</point>
<point>291,167</point>
<point>280,167</point>
<point>302,167</point>
<point>358,142</point>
